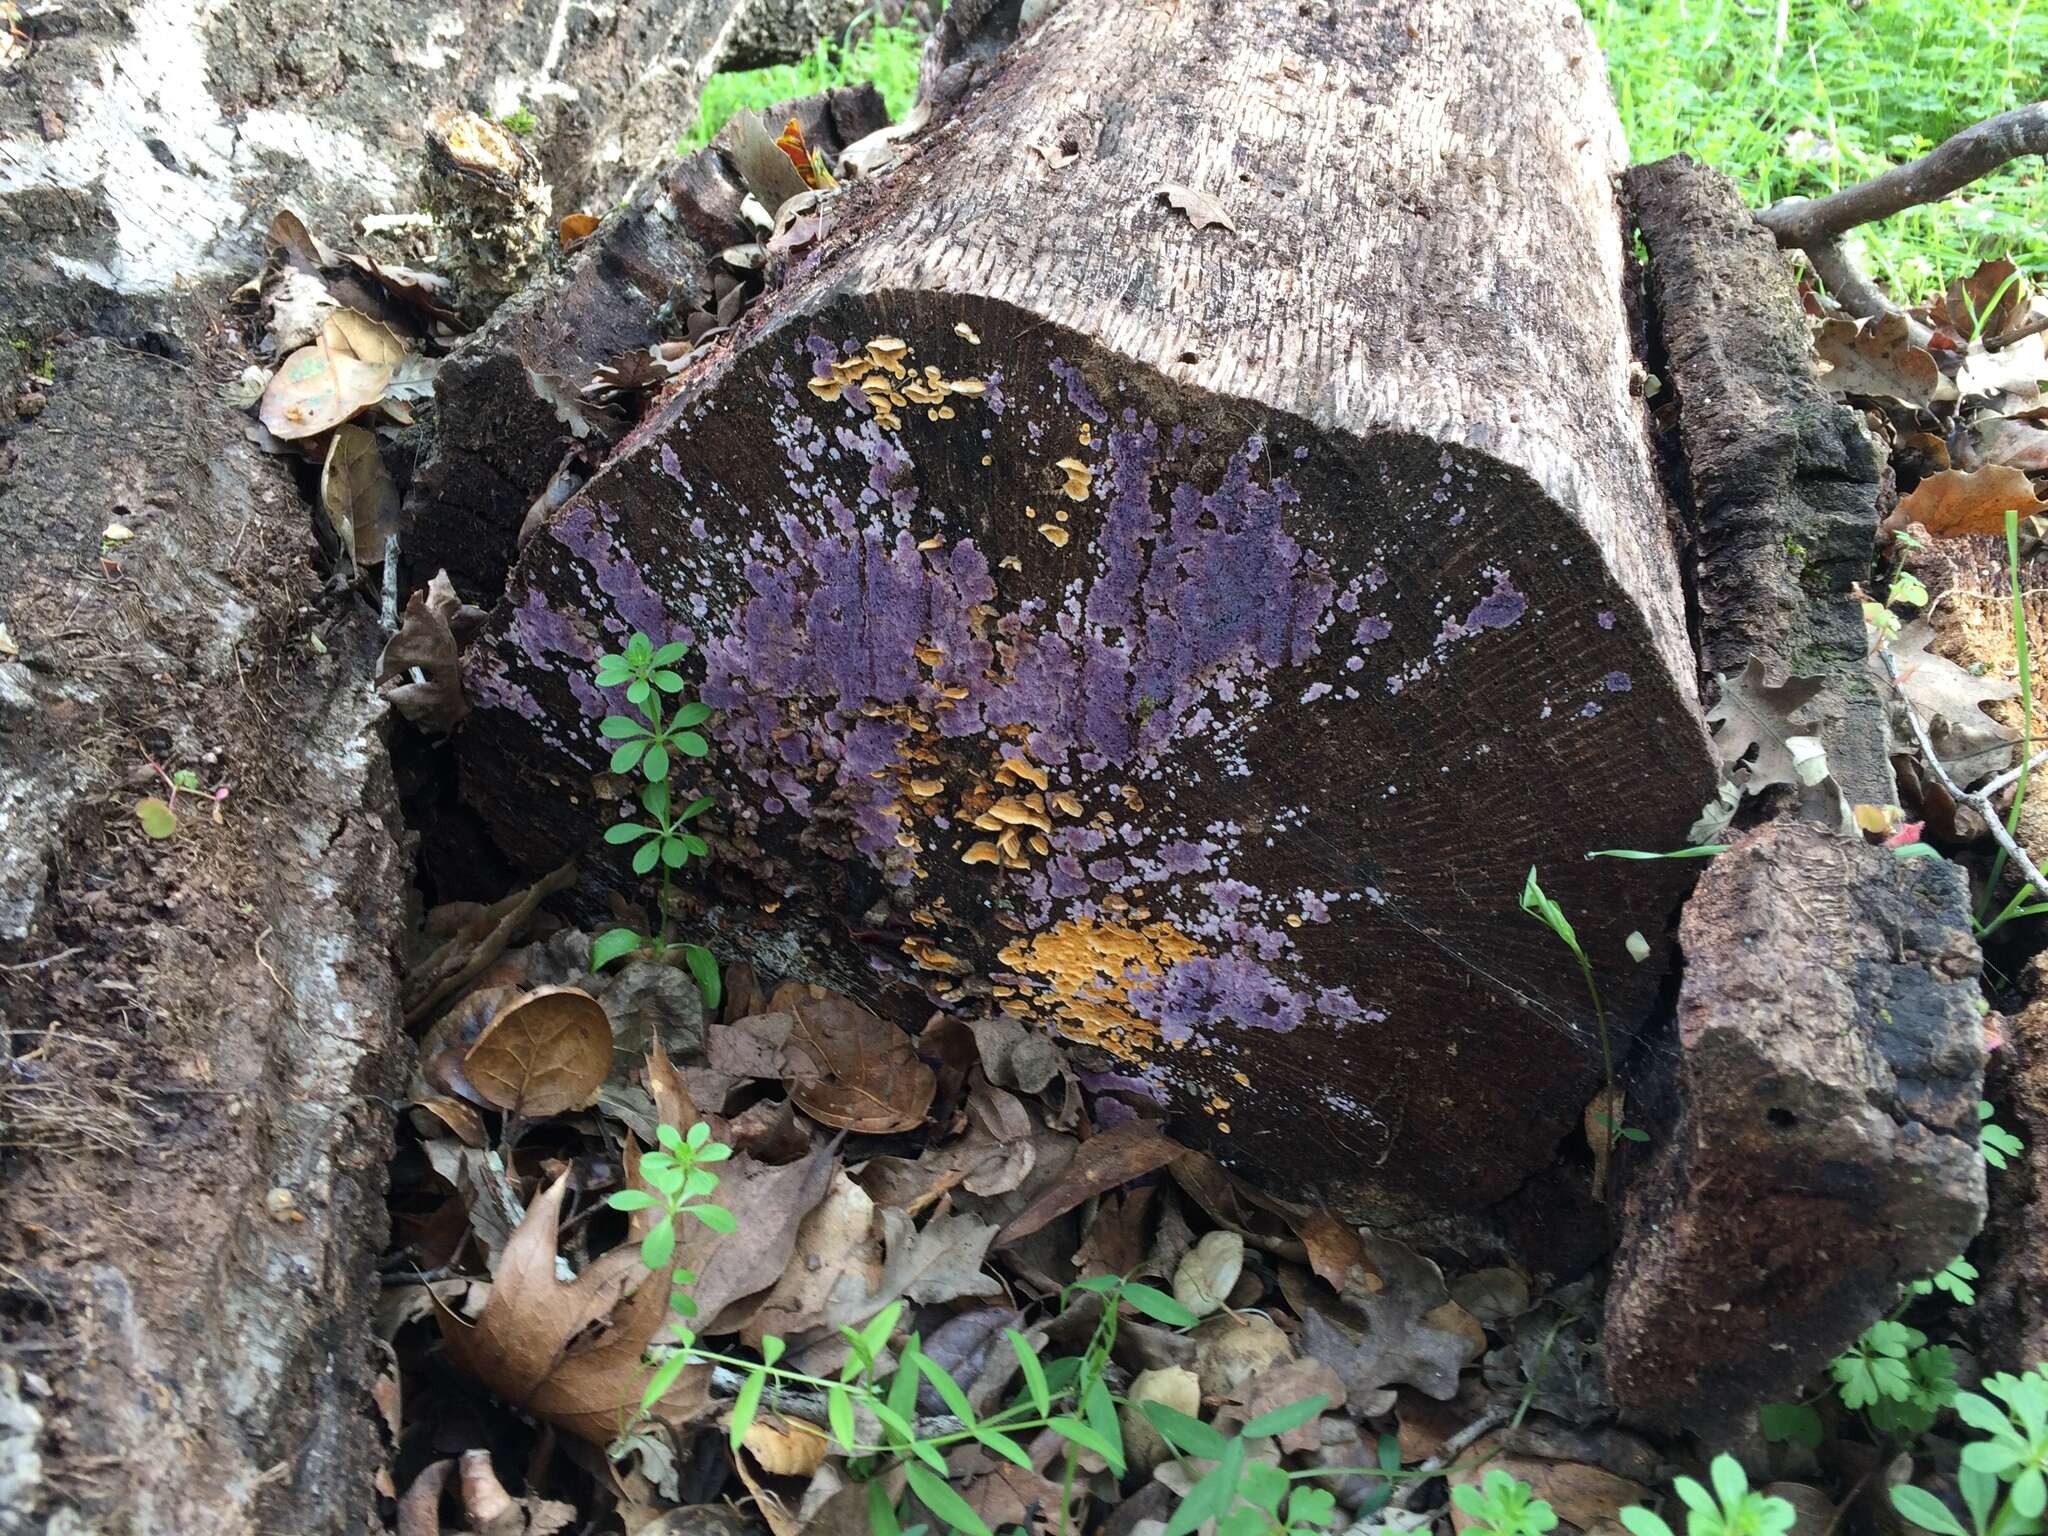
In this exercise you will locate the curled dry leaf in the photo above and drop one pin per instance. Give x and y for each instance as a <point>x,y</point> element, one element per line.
<point>762,164</point>
<point>1957,502</point>
<point>1878,358</point>
<point>546,1051</point>
<point>785,1447</point>
<point>575,227</point>
<point>426,643</point>
<point>359,495</point>
<point>1118,1155</point>
<point>852,1070</point>
<point>1203,211</point>
<point>351,333</point>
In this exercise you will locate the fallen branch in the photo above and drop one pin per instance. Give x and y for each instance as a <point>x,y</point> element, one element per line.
<point>1816,225</point>
<point>1977,800</point>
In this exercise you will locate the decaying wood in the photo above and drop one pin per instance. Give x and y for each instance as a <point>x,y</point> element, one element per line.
<point>1783,479</point>
<point>1173,589</point>
<point>1823,1146</point>
<point>508,407</point>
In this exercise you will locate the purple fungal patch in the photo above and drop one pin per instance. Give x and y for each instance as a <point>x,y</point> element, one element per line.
<point>1500,608</point>
<point>1605,618</point>
<point>1079,396</point>
<point>1616,682</point>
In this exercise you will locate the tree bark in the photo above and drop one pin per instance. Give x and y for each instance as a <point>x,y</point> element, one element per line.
<point>1184,632</point>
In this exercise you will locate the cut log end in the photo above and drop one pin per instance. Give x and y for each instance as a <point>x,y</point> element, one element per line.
<point>1208,736</point>
<point>1208,712</point>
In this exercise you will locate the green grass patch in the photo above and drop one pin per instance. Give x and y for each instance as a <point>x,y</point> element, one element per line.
<point>885,55</point>
<point>1802,97</point>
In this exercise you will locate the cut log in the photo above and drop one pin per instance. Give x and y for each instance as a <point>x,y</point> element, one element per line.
<point>1830,1060</point>
<point>1167,562</point>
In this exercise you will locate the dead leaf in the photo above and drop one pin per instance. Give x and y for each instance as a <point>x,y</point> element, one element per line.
<point>1492,1295</point>
<point>1876,357</point>
<point>359,495</point>
<point>1409,1332</point>
<point>1118,1155</point>
<point>2017,368</point>
<point>575,227</point>
<point>426,642</point>
<point>351,333</point>
<point>318,389</point>
<point>1230,1351</point>
<point>288,232</point>
<point>1288,1382</point>
<point>419,1511</point>
<point>769,1205</point>
<point>1755,715</point>
<point>785,1447</point>
<point>546,1051</point>
<point>1957,502</point>
<point>1581,1494</point>
<point>852,1070</point>
<point>1203,211</point>
<point>1950,703</point>
<point>569,1353</point>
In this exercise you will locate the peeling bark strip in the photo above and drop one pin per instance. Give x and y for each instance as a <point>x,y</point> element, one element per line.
<point>1186,638</point>
<point>1784,479</point>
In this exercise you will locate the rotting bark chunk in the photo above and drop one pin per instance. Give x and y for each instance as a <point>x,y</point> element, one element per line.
<point>506,402</point>
<point>1189,637</point>
<point>1784,480</point>
<point>1830,1057</point>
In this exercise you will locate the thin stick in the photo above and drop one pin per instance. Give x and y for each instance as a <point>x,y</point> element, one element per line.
<point>1965,157</point>
<point>1816,225</point>
<point>1977,801</point>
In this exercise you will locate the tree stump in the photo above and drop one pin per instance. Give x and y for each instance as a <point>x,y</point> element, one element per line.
<point>1167,561</point>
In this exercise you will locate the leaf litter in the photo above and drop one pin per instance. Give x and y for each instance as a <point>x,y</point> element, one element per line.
<point>962,1173</point>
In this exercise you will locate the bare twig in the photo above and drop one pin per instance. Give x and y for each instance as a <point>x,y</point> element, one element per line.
<point>1816,225</point>
<point>2033,327</point>
<point>1975,152</point>
<point>1977,800</point>
<point>2010,777</point>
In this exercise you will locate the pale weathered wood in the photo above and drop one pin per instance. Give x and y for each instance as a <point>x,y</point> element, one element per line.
<point>1204,677</point>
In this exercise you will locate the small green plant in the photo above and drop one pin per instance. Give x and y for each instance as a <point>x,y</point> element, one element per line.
<point>652,745</point>
<point>1989,1516</point>
<point>1995,1144</point>
<point>1731,1509</point>
<point>1069,1396</point>
<point>520,120</point>
<point>1551,915</point>
<point>1504,1506</point>
<point>2016,1448</point>
<point>159,813</point>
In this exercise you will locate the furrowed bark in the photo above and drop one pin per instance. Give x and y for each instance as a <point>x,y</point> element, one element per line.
<point>1186,638</point>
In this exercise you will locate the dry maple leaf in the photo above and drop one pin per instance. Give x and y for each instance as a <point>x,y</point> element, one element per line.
<point>1203,211</point>
<point>1950,701</point>
<point>546,1051</point>
<point>854,1071</point>
<point>569,1353</point>
<point>1876,358</point>
<point>1957,502</point>
<point>1754,714</point>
